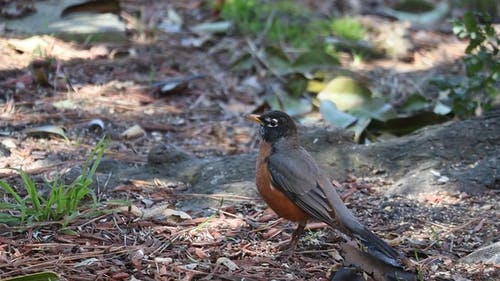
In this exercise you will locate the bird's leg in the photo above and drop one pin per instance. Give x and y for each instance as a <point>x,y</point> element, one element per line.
<point>296,235</point>
<point>289,248</point>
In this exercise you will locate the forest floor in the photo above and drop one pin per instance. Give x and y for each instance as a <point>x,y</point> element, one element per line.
<point>205,118</point>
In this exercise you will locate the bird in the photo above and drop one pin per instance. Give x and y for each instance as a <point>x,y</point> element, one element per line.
<point>291,183</point>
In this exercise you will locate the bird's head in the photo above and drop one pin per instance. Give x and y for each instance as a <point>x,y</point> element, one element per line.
<point>274,125</point>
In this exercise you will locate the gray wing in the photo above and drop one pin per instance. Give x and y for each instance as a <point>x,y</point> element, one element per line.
<point>295,174</point>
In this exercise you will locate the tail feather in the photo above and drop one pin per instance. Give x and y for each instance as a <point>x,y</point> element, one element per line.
<point>374,244</point>
<point>377,247</point>
<point>347,222</point>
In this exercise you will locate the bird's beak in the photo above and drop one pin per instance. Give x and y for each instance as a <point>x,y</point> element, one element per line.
<point>254,118</point>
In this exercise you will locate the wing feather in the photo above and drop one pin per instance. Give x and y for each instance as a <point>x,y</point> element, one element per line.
<point>295,175</point>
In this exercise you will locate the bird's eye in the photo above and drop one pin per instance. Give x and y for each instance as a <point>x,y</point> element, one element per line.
<point>272,122</point>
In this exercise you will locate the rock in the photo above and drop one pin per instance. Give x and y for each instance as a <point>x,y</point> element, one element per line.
<point>167,154</point>
<point>488,254</point>
<point>47,20</point>
<point>417,163</point>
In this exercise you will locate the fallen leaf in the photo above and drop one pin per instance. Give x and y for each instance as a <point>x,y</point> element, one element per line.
<point>172,22</point>
<point>441,108</point>
<point>86,262</point>
<point>228,263</point>
<point>47,129</point>
<point>200,253</point>
<point>163,260</point>
<point>133,209</point>
<point>164,212</point>
<point>293,106</point>
<point>30,45</point>
<point>313,60</point>
<point>374,108</point>
<point>65,104</point>
<point>133,132</point>
<point>414,103</point>
<point>479,226</point>
<point>346,93</point>
<point>331,114</point>
<point>212,27</point>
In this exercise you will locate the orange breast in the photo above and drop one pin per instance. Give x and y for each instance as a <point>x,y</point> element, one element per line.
<point>274,198</point>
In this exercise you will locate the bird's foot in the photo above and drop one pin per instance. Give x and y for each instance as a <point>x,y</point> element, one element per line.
<point>287,246</point>
<point>287,250</point>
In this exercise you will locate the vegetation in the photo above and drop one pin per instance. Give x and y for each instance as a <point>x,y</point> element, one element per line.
<point>62,203</point>
<point>478,90</point>
<point>277,21</point>
<point>284,22</point>
<point>348,28</point>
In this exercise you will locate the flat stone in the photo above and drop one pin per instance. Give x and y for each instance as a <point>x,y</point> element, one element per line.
<point>489,255</point>
<point>80,27</point>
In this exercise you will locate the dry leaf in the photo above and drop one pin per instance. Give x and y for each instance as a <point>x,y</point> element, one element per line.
<point>136,211</point>
<point>133,132</point>
<point>200,253</point>
<point>228,263</point>
<point>163,212</point>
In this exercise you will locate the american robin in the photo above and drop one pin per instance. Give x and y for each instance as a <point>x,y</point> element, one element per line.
<point>291,183</point>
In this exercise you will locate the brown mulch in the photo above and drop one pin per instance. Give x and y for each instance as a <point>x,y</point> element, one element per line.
<point>242,242</point>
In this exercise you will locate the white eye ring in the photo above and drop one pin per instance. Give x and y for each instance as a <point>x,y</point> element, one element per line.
<point>272,122</point>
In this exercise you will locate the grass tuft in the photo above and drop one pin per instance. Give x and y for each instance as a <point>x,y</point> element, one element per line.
<point>63,202</point>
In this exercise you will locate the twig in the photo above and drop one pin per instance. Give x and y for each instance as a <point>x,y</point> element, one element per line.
<point>316,251</point>
<point>254,52</point>
<point>269,23</point>
<point>219,196</point>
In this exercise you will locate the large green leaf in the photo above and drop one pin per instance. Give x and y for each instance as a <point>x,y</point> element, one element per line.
<point>331,114</point>
<point>346,93</point>
<point>415,103</point>
<point>39,276</point>
<point>276,60</point>
<point>242,62</point>
<point>313,60</point>
<point>470,22</point>
<point>360,126</point>
<point>293,106</point>
<point>375,108</point>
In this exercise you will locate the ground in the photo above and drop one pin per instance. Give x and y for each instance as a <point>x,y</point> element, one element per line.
<point>111,83</point>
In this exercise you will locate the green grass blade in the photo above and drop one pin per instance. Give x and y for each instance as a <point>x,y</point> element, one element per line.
<point>11,191</point>
<point>39,276</point>
<point>31,189</point>
<point>9,219</point>
<point>98,151</point>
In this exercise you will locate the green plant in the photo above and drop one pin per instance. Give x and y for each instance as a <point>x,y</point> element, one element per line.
<point>244,14</point>
<point>39,276</point>
<point>63,202</point>
<point>435,237</point>
<point>420,273</point>
<point>348,28</point>
<point>278,21</point>
<point>482,68</point>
